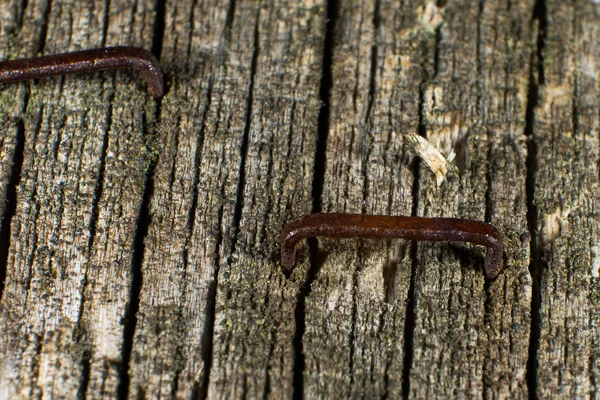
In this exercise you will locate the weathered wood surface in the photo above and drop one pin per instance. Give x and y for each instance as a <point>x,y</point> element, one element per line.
<point>140,238</point>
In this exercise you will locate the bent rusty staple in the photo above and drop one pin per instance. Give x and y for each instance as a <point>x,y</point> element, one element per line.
<point>386,227</point>
<point>86,61</point>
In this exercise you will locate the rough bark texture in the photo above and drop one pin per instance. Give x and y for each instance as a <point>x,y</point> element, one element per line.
<point>139,239</point>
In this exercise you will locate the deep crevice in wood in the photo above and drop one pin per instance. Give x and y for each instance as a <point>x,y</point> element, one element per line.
<point>207,335</point>
<point>206,339</point>
<point>35,365</point>
<point>200,389</point>
<point>540,14</point>
<point>368,113</point>
<point>106,13</point>
<point>85,375</point>
<point>21,13</point>
<point>130,318</point>
<point>535,266</point>
<point>207,342</point>
<point>98,190</point>
<point>478,103</point>
<point>159,28</point>
<point>44,27</point>
<point>32,200</point>
<point>534,270</point>
<point>489,176</point>
<point>410,316</point>
<point>325,112</point>
<point>229,21</point>
<point>436,51</point>
<point>11,202</point>
<point>316,262</point>
<point>239,198</point>
<point>316,259</point>
<point>374,54</point>
<point>488,313</point>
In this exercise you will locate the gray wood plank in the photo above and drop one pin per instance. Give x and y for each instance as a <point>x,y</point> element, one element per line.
<point>71,248</point>
<point>466,342</point>
<point>112,203</point>
<point>201,128</point>
<point>239,128</point>
<point>12,103</point>
<point>356,310</point>
<point>253,347</point>
<point>567,194</point>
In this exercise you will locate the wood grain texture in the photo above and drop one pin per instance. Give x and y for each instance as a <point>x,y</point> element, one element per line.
<point>253,346</point>
<point>80,190</point>
<point>356,310</point>
<point>471,338</point>
<point>201,130</point>
<point>139,240</point>
<point>239,127</point>
<point>567,194</point>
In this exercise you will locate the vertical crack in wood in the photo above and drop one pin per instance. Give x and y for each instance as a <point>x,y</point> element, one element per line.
<point>95,208</point>
<point>365,155</point>
<point>479,102</point>
<point>324,113</point>
<point>488,313</point>
<point>130,317</point>
<point>191,224</point>
<point>374,54</point>
<point>143,224</point>
<point>487,304</point>
<point>44,27</point>
<point>239,200</point>
<point>316,259</point>
<point>21,14</point>
<point>159,28</point>
<point>206,340</point>
<point>201,391</point>
<point>80,333</point>
<point>536,78</point>
<point>11,202</point>
<point>436,50</point>
<point>106,13</point>
<point>35,365</point>
<point>368,116</point>
<point>315,262</point>
<point>85,375</point>
<point>410,316</point>
<point>411,301</point>
<point>229,17</point>
<point>99,181</point>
